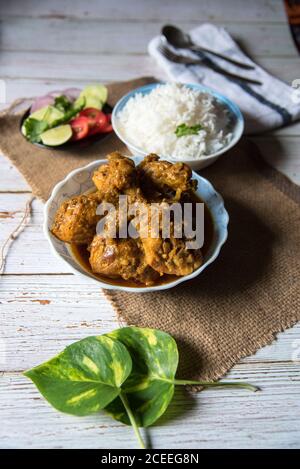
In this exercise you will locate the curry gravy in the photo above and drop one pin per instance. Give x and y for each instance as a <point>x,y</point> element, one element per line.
<point>81,254</point>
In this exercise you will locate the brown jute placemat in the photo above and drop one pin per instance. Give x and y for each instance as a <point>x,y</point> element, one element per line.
<point>248,295</point>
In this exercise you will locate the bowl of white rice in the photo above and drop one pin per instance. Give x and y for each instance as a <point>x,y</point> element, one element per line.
<point>190,123</point>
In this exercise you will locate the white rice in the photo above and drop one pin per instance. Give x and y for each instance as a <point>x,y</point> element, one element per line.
<point>149,122</point>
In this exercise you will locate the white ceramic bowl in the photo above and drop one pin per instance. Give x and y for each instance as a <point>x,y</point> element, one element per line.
<point>236,117</point>
<point>79,181</point>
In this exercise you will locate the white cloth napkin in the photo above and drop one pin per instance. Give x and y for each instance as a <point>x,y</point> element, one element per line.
<point>264,107</point>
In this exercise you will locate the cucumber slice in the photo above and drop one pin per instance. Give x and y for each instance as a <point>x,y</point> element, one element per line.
<point>97,91</point>
<point>95,96</point>
<point>91,101</point>
<point>47,113</point>
<point>57,135</point>
<point>38,115</point>
<point>53,114</point>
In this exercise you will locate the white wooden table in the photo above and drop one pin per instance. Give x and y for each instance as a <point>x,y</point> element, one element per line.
<point>53,44</point>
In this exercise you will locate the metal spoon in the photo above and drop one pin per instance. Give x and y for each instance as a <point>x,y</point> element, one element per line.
<point>178,38</point>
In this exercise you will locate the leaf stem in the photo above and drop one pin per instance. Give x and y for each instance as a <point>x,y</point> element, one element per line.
<point>184,382</point>
<point>132,420</point>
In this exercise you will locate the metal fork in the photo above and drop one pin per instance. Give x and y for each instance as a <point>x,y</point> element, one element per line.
<point>180,59</point>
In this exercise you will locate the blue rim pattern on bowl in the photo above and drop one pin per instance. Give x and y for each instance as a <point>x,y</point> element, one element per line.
<point>235,114</point>
<point>79,181</point>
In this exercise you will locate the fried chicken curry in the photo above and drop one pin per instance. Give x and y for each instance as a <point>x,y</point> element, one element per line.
<point>143,259</point>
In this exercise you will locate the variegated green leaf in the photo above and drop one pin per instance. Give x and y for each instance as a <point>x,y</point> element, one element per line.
<point>150,386</point>
<point>85,377</point>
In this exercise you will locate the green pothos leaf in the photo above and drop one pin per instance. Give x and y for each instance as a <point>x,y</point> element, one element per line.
<point>85,377</point>
<point>150,386</point>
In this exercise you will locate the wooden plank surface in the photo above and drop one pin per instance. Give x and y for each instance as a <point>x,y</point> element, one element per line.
<point>265,11</point>
<point>67,67</point>
<point>62,33</point>
<point>210,419</point>
<point>44,307</point>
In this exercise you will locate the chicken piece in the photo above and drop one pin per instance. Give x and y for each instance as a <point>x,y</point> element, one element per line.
<point>115,177</point>
<point>75,221</point>
<point>165,177</point>
<point>170,255</point>
<point>123,258</point>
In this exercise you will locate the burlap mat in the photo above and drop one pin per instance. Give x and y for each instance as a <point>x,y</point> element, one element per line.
<point>250,293</point>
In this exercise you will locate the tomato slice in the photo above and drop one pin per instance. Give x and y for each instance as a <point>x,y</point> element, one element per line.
<point>96,129</point>
<point>95,117</point>
<point>107,128</point>
<point>80,127</point>
<point>100,129</point>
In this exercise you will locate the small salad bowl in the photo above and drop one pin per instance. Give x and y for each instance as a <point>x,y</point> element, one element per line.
<point>68,119</point>
<point>236,124</point>
<point>79,181</point>
<point>71,145</point>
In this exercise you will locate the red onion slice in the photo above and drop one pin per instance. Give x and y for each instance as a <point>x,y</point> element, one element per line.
<point>43,101</point>
<point>48,99</point>
<point>72,93</point>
